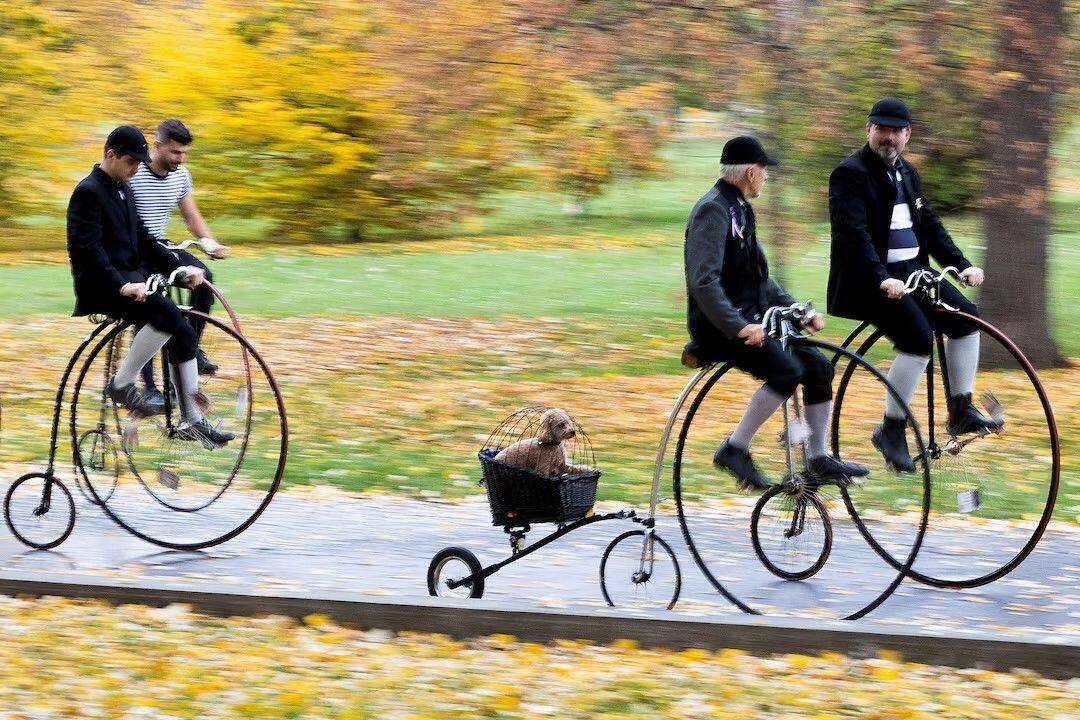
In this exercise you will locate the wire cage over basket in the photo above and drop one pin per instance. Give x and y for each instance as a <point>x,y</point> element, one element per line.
<point>538,466</point>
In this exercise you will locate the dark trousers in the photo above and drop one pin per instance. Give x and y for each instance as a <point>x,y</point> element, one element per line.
<point>907,321</point>
<point>201,297</point>
<point>158,311</point>
<point>781,371</point>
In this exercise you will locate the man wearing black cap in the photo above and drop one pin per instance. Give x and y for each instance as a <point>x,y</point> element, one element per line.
<point>112,254</point>
<point>728,290</point>
<point>883,229</point>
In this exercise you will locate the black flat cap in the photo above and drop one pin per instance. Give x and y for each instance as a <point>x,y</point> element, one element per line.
<point>745,150</point>
<point>129,140</point>
<point>890,112</point>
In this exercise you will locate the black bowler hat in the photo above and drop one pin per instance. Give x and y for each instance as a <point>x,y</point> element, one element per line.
<point>129,140</point>
<point>745,150</point>
<point>890,112</point>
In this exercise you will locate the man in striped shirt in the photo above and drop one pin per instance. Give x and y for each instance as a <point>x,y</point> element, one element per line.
<point>159,186</point>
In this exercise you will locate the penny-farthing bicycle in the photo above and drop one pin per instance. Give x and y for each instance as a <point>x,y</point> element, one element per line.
<point>751,549</point>
<point>993,493</point>
<point>173,492</point>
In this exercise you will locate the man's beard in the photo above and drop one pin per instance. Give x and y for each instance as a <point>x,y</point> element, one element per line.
<point>887,153</point>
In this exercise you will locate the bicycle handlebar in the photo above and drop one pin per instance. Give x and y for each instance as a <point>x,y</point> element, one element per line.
<point>206,244</point>
<point>796,315</point>
<point>927,278</point>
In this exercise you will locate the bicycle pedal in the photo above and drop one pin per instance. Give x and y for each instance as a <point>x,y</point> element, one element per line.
<point>168,478</point>
<point>202,401</point>
<point>968,501</point>
<point>129,437</point>
<point>993,407</point>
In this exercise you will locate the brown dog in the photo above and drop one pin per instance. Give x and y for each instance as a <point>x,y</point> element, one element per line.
<point>545,454</point>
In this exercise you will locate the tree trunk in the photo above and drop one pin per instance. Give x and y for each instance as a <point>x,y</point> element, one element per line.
<point>1016,219</point>
<point>779,48</point>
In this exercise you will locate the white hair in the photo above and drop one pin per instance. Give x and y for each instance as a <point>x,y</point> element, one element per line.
<point>734,173</point>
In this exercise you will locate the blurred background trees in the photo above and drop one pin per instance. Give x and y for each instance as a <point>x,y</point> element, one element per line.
<point>349,119</point>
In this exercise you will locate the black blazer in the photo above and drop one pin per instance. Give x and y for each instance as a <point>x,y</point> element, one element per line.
<point>107,241</point>
<point>861,199</point>
<point>727,276</point>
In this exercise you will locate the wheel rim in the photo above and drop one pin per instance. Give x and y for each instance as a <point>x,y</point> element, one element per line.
<point>791,532</point>
<point>22,511</point>
<point>974,543</point>
<point>215,516</point>
<point>725,555</point>
<point>639,572</point>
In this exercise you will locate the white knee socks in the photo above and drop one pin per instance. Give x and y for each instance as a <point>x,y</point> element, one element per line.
<point>763,404</point>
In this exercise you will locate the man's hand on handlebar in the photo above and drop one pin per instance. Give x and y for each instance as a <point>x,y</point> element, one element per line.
<point>194,277</point>
<point>214,249</point>
<point>752,335</point>
<point>972,277</point>
<point>815,323</point>
<point>135,291</point>
<point>893,288</point>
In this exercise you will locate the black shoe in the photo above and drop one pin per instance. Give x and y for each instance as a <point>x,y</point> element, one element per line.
<point>205,433</point>
<point>129,398</point>
<point>154,399</point>
<point>739,463</point>
<point>965,418</point>
<point>890,438</point>
<point>830,467</point>
<point>204,364</point>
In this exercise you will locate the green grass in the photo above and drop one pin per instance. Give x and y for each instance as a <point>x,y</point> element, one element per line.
<point>620,307</point>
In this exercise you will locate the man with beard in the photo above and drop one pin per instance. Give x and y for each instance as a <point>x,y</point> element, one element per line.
<point>160,185</point>
<point>883,229</point>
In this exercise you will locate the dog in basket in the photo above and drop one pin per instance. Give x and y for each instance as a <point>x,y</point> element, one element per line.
<point>545,454</point>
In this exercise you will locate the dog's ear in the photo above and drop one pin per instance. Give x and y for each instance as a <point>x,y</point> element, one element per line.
<point>545,433</point>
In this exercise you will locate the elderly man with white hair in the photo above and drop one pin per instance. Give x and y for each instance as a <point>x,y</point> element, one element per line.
<point>728,291</point>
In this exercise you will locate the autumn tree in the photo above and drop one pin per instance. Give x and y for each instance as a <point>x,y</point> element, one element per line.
<point>1016,220</point>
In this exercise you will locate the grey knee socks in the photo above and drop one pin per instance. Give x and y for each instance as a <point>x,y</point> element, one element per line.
<point>146,343</point>
<point>962,357</point>
<point>904,377</point>
<point>817,417</point>
<point>763,404</point>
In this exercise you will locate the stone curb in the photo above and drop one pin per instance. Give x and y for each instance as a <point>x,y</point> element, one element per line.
<point>462,619</point>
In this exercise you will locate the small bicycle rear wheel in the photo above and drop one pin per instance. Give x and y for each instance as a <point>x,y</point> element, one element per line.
<point>639,570</point>
<point>791,532</point>
<point>39,511</point>
<point>450,564</point>
<point>96,453</point>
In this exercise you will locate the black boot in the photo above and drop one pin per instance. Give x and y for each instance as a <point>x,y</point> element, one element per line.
<point>830,467</point>
<point>965,418</point>
<point>890,438</point>
<point>205,365</point>
<point>129,398</point>
<point>205,433</point>
<point>738,462</point>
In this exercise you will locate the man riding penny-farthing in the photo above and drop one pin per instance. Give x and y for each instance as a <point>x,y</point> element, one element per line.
<point>188,473</point>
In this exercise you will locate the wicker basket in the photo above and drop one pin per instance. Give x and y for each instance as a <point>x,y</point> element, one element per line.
<point>519,497</point>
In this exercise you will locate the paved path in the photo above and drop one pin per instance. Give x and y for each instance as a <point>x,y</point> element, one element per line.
<point>323,540</point>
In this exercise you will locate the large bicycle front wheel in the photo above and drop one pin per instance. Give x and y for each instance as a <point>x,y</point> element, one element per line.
<point>716,517</point>
<point>181,493</point>
<point>994,494</point>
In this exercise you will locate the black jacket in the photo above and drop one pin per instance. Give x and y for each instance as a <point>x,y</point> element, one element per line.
<point>106,240</point>
<point>861,199</point>
<point>727,276</point>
